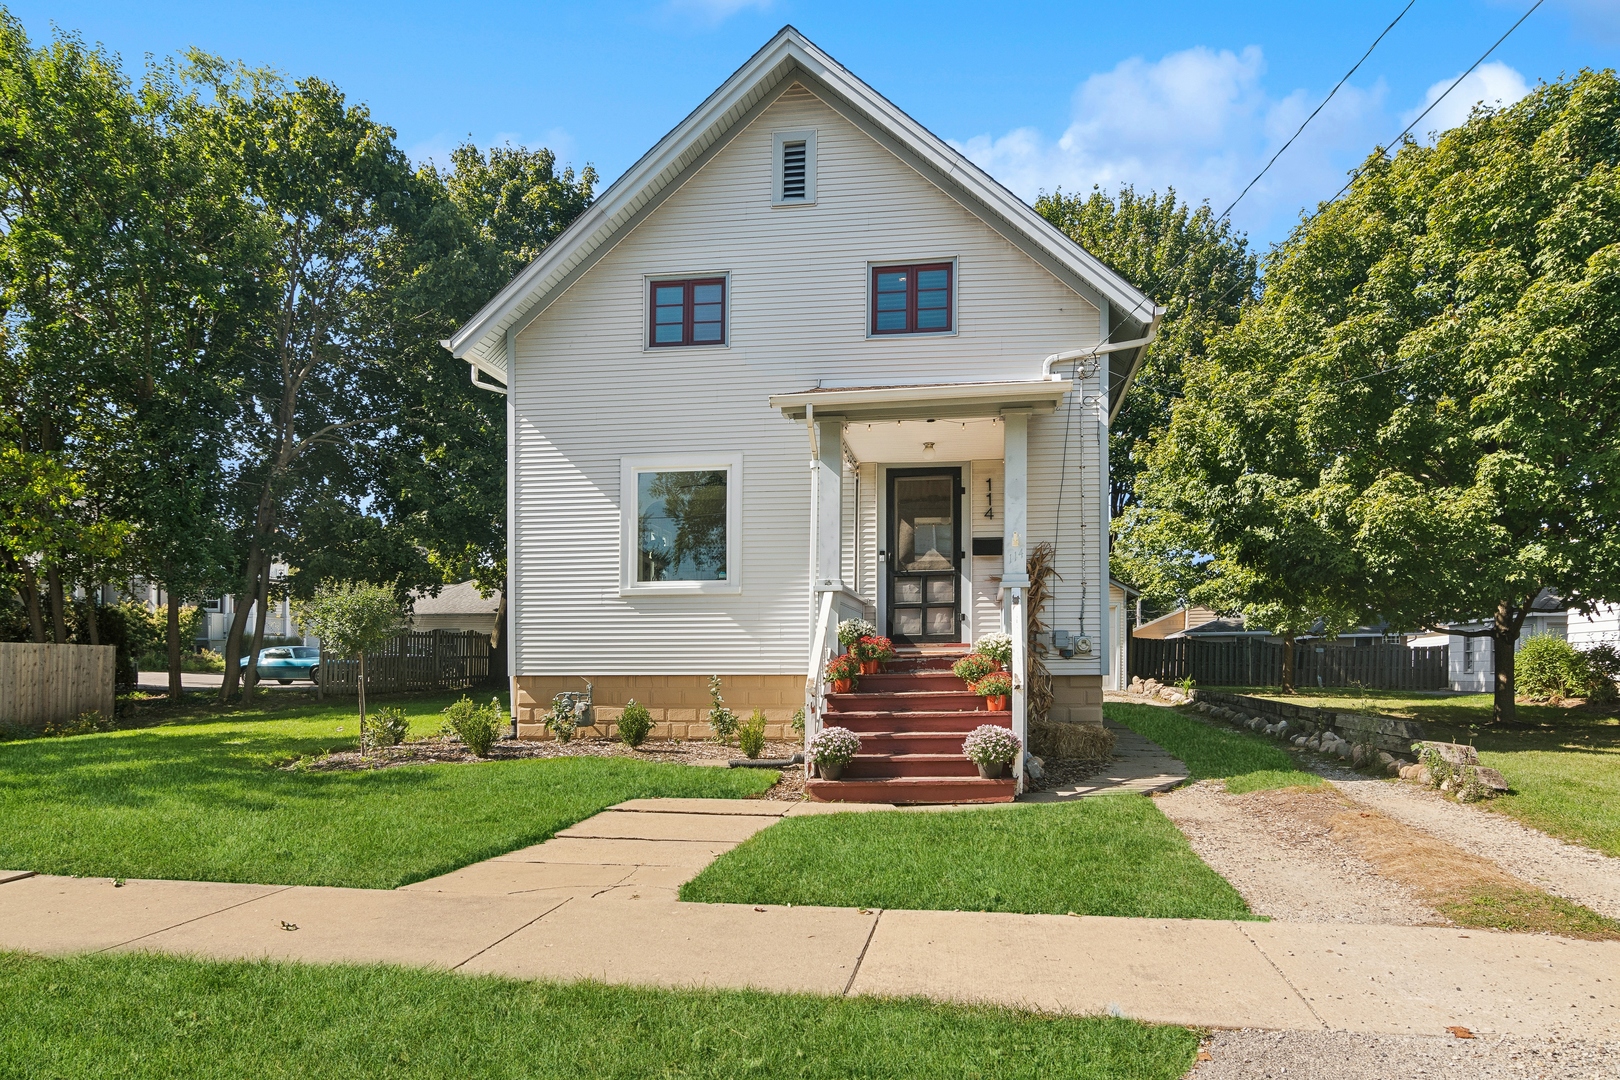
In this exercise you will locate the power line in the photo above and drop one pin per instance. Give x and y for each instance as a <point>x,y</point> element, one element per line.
<point>1442,97</point>
<point>1318,109</point>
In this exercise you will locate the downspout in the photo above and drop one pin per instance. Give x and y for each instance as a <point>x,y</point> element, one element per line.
<point>1100,348</point>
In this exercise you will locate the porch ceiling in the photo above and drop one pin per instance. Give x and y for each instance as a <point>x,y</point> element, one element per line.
<point>902,441</point>
<point>926,401</point>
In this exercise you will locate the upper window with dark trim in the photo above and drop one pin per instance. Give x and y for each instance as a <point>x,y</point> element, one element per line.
<point>912,299</point>
<point>689,312</point>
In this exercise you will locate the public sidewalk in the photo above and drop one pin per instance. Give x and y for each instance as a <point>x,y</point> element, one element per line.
<point>599,902</point>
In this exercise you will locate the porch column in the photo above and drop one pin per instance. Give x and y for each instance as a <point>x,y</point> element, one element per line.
<point>1015,566</point>
<point>827,528</point>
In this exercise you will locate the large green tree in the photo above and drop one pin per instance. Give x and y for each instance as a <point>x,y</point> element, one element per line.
<point>1185,259</point>
<point>1433,373</point>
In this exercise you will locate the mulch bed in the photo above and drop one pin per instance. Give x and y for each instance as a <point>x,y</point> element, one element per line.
<point>443,750</point>
<point>1062,772</point>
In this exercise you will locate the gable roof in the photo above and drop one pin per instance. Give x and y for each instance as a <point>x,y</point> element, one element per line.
<point>787,58</point>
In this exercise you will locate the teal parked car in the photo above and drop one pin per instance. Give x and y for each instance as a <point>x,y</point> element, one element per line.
<point>284,663</point>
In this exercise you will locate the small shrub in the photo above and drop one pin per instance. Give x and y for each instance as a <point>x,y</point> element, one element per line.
<point>475,725</point>
<point>1187,685</point>
<point>834,746</point>
<point>798,721</point>
<point>1550,668</point>
<point>1604,662</point>
<point>86,723</point>
<point>385,727</point>
<point>721,719</point>
<point>852,630</point>
<point>997,647</point>
<point>562,720</point>
<point>995,684</point>
<point>751,735</point>
<point>973,667</point>
<point>990,744</point>
<point>635,723</point>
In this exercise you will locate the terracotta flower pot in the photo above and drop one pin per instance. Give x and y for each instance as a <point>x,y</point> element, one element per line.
<point>871,667</point>
<point>998,702</point>
<point>843,686</point>
<point>830,771</point>
<point>991,771</point>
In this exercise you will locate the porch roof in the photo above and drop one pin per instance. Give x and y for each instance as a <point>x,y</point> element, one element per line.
<point>924,400</point>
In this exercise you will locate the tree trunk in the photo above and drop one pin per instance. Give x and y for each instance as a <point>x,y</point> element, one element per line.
<point>30,595</point>
<point>262,603</point>
<point>233,639</point>
<point>175,682</point>
<point>1288,664</point>
<point>362,688</point>
<point>92,624</point>
<point>53,578</point>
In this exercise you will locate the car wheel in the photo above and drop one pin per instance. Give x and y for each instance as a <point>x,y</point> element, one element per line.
<point>284,682</point>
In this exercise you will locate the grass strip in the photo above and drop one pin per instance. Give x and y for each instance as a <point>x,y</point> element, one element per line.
<point>1246,762</point>
<point>1116,855</point>
<point>140,1016</point>
<point>202,799</point>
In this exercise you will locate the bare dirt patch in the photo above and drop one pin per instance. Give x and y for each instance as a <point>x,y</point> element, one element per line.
<point>442,750</point>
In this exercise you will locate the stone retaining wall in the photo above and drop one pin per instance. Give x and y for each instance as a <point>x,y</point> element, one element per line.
<point>1383,732</point>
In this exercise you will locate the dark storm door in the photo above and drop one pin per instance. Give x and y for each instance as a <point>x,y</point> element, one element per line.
<point>924,554</point>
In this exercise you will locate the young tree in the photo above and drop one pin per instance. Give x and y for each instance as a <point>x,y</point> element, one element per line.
<point>352,618</point>
<point>1434,365</point>
<point>1197,267</point>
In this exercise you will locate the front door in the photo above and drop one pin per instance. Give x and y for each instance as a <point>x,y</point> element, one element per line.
<point>924,555</point>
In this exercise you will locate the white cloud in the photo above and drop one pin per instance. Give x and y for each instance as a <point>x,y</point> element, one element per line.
<point>1495,84</point>
<point>1200,121</point>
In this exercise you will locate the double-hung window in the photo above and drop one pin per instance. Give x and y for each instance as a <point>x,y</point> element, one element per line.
<point>912,299</point>
<point>687,312</point>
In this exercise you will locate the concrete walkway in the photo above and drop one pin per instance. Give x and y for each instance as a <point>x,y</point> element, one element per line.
<point>1140,767</point>
<point>598,901</point>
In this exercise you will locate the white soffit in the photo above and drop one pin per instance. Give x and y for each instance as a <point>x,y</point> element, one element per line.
<point>903,441</point>
<point>924,401</point>
<point>787,57</point>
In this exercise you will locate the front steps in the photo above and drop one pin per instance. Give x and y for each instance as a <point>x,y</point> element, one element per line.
<point>912,720</point>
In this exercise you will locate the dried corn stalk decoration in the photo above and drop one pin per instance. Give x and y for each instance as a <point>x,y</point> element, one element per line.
<point>1038,681</point>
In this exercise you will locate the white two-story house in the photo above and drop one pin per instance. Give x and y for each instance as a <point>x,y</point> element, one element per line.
<point>802,362</point>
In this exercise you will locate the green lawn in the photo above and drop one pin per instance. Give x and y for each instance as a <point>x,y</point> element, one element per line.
<point>148,1016</point>
<point>199,796</point>
<point>1563,764</point>
<point>1245,761</point>
<point>1109,856</point>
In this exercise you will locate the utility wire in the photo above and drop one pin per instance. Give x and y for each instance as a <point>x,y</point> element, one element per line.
<point>1482,57</point>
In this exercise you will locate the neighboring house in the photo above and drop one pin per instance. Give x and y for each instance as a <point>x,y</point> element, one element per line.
<point>1599,628</point>
<point>1203,624</point>
<point>1472,660</point>
<point>1176,622</point>
<point>801,363</point>
<point>457,607</point>
<point>279,623</point>
<point>1120,596</point>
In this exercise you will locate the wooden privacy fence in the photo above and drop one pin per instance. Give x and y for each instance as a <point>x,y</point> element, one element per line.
<point>421,660</point>
<point>1256,662</point>
<point>42,684</point>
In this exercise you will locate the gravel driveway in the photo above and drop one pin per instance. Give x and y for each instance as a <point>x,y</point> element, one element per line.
<point>1334,1055</point>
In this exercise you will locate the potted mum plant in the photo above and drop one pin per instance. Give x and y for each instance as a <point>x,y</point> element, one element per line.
<point>992,748</point>
<point>996,689</point>
<point>852,630</point>
<point>997,646</point>
<point>872,652</point>
<point>831,749</point>
<point>973,667</point>
<point>842,672</point>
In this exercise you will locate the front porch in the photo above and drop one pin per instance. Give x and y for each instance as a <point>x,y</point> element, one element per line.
<point>919,500</point>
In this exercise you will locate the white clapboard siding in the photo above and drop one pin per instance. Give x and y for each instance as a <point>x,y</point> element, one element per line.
<point>587,393</point>
<point>986,609</point>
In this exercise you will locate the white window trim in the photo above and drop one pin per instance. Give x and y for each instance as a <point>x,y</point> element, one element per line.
<point>778,139</point>
<point>956,302</point>
<point>629,531</point>
<point>649,280</point>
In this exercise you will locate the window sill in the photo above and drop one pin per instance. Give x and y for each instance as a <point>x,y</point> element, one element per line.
<point>681,588</point>
<point>912,336</point>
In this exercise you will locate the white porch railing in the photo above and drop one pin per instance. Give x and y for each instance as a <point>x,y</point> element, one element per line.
<point>1018,629</point>
<point>834,607</point>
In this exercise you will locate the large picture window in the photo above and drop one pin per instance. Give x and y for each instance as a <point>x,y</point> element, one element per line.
<point>680,525</point>
<point>913,299</point>
<point>688,312</point>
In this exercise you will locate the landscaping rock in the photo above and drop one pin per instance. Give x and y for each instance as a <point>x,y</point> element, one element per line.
<point>1415,773</point>
<point>1452,753</point>
<point>1491,780</point>
<point>1300,740</point>
<point>1342,749</point>
<point>1034,767</point>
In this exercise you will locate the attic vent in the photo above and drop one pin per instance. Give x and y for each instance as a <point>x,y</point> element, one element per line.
<point>792,170</point>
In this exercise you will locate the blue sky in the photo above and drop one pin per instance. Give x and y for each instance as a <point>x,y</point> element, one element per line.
<point>1195,95</point>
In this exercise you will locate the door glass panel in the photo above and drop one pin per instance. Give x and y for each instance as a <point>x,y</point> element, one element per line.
<point>924,507</point>
<point>908,591</point>
<point>942,590</point>
<point>909,622</point>
<point>941,621</point>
